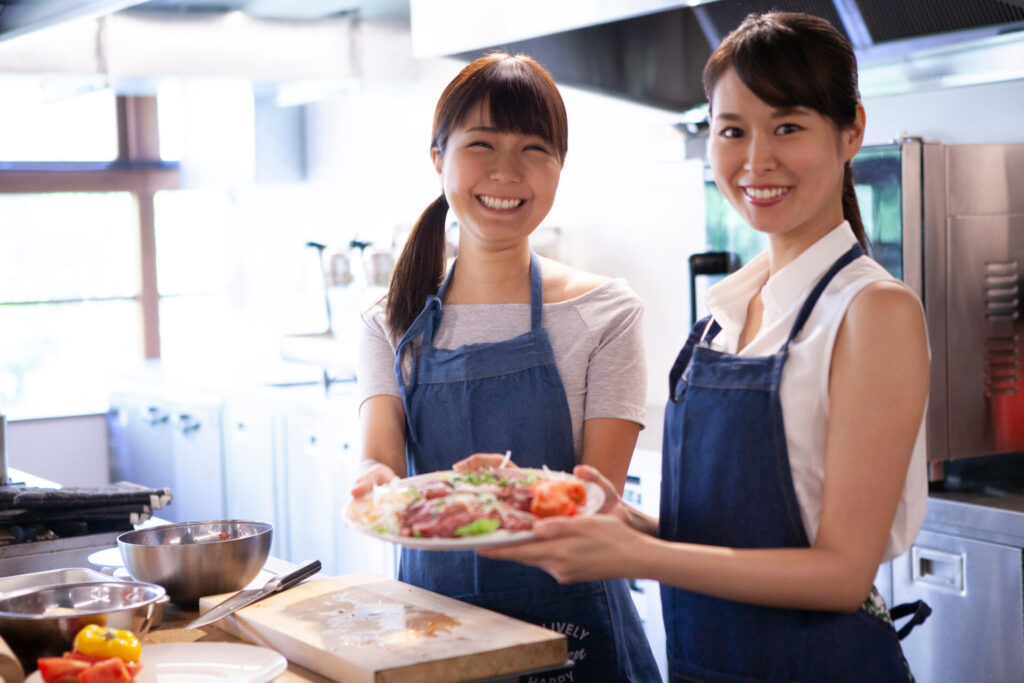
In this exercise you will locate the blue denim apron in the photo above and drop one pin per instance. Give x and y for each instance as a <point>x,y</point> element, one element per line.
<point>726,481</point>
<point>492,398</point>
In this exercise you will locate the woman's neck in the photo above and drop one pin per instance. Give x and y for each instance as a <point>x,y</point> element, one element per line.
<point>784,248</point>
<point>491,277</point>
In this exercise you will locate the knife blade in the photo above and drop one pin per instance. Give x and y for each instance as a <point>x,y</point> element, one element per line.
<point>247,597</point>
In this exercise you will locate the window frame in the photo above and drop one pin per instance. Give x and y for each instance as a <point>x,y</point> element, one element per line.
<point>137,170</point>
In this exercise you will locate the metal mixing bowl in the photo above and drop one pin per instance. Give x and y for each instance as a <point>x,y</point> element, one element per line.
<point>192,559</point>
<point>43,621</point>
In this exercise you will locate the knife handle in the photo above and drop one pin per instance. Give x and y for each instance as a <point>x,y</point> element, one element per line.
<point>303,572</point>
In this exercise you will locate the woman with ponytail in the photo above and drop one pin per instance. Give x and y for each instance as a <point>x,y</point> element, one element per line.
<point>793,458</point>
<point>506,351</point>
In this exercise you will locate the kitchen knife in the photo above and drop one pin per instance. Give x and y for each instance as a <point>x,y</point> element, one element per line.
<point>247,597</point>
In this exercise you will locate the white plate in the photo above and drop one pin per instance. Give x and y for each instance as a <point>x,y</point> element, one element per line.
<point>595,499</point>
<point>204,663</point>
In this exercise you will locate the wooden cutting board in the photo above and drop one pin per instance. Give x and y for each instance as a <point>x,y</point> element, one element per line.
<point>365,628</point>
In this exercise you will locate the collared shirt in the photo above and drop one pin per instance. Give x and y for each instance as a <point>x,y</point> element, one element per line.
<point>805,378</point>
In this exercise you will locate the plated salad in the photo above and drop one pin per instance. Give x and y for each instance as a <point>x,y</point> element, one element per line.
<point>466,505</point>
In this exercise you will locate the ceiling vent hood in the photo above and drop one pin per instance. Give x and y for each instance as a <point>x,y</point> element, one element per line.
<point>653,51</point>
<point>18,17</point>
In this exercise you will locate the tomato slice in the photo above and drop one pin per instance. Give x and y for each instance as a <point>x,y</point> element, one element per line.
<point>110,670</point>
<point>557,497</point>
<point>60,669</point>
<point>134,668</point>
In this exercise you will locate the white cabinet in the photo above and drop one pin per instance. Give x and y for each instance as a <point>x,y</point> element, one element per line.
<point>313,495</point>
<point>253,473</point>
<point>175,442</point>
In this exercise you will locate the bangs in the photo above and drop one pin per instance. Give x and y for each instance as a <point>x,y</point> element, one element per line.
<point>777,68</point>
<point>790,60</point>
<point>521,98</point>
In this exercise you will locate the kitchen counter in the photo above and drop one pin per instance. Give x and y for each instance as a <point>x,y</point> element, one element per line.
<point>990,515</point>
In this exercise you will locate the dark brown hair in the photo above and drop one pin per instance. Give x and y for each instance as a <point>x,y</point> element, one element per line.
<point>788,60</point>
<point>522,98</point>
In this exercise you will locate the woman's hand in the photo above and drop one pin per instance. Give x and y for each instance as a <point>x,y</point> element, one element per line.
<point>376,474</point>
<point>613,503</point>
<point>575,549</point>
<point>479,461</point>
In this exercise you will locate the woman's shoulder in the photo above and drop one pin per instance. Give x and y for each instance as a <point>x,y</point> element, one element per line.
<point>375,318</point>
<point>565,284</point>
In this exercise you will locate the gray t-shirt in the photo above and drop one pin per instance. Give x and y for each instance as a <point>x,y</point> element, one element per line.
<point>596,339</point>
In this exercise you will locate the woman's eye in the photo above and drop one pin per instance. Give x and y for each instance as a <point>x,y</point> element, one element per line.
<point>787,128</point>
<point>537,148</point>
<point>479,143</point>
<point>731,132</point>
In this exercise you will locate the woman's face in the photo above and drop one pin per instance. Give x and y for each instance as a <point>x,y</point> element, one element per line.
<point>781,169</point>
<point>500,185</point>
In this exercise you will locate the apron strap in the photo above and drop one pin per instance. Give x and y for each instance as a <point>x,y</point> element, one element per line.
<point>701,330</point>
<point>855,252</point>
<point>425,323</point>
<point>536,292</point>
<point>917,611</point>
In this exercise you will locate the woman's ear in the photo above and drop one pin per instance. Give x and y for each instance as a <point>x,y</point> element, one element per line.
<point>853,135</point>
<point>435,156</point>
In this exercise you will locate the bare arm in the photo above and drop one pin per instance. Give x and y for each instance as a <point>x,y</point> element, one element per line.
<point>383,421</point>
<point>608,445</point>
<point>877,392</point>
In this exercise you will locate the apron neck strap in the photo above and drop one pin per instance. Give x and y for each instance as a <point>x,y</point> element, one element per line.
<point>855,252</point>
<point>536,292</point>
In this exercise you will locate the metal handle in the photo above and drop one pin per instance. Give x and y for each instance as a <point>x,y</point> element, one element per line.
<point>154,416</point>
<point>939,569</point>
<point>188,424</point>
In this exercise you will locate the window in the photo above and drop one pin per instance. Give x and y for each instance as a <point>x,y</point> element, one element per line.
<point>78,297</point>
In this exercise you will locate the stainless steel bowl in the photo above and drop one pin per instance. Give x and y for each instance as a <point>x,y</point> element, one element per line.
<point>43,621</point>
<point>192,559</point>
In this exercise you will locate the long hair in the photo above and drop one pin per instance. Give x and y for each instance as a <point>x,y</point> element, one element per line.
<point>522,98</point>
<point>789,60</point>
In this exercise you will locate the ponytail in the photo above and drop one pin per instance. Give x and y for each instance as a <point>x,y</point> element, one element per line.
<point>851,208</point>
<point>419,270</point>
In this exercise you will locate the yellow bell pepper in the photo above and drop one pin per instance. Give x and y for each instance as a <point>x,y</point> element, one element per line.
<point>99,641</point>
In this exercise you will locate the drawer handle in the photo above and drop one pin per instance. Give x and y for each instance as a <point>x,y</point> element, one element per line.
<point>938,568</point>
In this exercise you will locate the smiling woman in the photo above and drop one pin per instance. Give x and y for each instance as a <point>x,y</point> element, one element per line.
<point>505,351</point>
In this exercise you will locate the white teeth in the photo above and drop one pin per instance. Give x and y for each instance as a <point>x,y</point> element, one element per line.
<point>496,203</point>
<point>770,193</point>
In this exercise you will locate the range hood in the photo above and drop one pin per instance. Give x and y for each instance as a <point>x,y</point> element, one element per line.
<point>18,17</point>
<point>652,51</point>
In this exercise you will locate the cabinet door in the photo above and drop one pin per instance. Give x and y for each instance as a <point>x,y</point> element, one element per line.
<point>250,466</point>
<point>198,463</point>
<point>976,630</point>
<point>311,518</point>
<point>140,441</point>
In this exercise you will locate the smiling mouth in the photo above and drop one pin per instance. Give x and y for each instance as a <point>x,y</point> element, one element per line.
<point>763,193</point>
<point>499,203</point>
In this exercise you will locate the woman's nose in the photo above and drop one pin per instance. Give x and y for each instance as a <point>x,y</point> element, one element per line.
<point>760,155</point>
<point>506,168</point>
